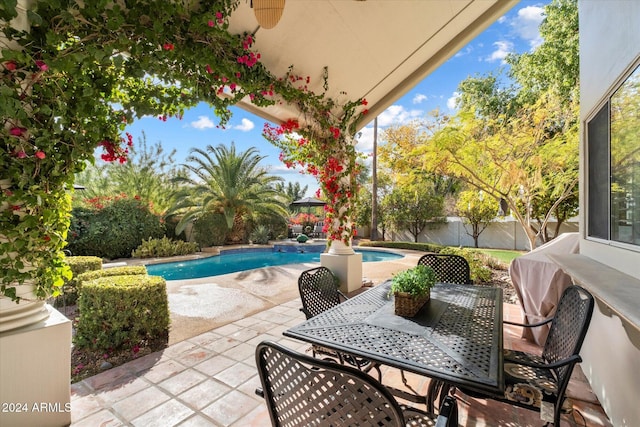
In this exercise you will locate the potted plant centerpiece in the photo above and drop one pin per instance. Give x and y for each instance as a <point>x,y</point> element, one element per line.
<point>412,289</point>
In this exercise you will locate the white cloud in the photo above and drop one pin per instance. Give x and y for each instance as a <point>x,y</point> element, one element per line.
<point>245,126</point>
<point>527,23</point>
<point>419,98</point>
<point>466,51</point>
<point>365,139</point>
<point>203,122</point>
<point>451,102</point>
<point>397,114</point>
<point>503,48</point>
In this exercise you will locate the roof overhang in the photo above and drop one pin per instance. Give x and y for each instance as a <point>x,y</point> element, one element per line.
<point>373,49</point>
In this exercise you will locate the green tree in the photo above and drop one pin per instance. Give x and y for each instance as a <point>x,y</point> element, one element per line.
<point>519,160</point>
<point>554,65</point>
<point>487,96</point>
<point>222,180</point>
<point>478,210</point>
<point>147,175</point>
<point>292,191</point>
<point>412,207</point>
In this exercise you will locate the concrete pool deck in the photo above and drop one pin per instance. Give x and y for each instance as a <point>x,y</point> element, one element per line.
<point>199,305</point>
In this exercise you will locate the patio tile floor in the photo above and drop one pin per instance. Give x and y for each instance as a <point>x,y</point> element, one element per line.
<point>209,380</point>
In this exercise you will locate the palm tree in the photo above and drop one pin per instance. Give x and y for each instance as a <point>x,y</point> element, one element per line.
<point>293,191</point>
<point>221,180</point>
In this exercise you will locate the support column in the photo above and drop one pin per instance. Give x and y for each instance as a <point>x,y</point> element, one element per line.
<point>346,267</point>
<point>35,367</point>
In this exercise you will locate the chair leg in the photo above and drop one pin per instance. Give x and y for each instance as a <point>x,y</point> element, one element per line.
<point>437,390</point>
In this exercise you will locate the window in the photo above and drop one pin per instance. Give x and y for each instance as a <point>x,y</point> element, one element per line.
<point>613,150</point>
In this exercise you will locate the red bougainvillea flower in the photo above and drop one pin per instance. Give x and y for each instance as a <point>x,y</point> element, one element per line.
<point>209,69</point>
<point>168,46</point>
<point>42,65</point>
<point>21,154</point>
<point>364,102</point>
<point>40,154</point>
<point>10,65</point>
<point>17,131</point>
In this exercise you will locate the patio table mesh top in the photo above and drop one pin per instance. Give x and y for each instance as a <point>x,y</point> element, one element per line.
<point>456,336</point>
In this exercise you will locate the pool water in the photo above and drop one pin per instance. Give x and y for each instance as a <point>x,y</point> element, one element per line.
<point>247,259</point>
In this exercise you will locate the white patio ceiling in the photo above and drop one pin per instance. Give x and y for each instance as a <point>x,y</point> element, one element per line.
<point>376,49</point>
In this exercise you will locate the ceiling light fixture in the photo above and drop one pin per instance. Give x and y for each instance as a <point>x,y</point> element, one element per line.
<point>268,12</point>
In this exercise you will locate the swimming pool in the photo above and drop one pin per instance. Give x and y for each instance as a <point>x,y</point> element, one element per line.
<point>232,261</point>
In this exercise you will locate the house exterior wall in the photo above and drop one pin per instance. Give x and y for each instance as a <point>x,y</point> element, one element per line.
<point>609,45</point>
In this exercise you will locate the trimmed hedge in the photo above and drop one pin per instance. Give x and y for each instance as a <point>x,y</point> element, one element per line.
<point>120,311</point>
<point>78,265</point>
<point>128,270</point>
<point>424,247</point>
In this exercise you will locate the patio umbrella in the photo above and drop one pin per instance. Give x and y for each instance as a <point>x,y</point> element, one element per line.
<point>308,202</point>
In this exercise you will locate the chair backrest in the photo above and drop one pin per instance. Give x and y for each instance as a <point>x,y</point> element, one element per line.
<point>568,329</point>
<point>304,391</point>
<point>448,268</point>
<point>318,291</point>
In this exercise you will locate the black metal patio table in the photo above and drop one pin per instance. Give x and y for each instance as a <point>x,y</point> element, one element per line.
<point>456,337</point>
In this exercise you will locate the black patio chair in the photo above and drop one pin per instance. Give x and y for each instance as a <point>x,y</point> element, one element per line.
<point>303,391</point>
<point>319,292</point>
<point>449,268</point>
<point>533,381</point>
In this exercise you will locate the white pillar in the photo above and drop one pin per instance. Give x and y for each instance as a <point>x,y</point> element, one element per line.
<point>35,372</point>
<point>345,264</point>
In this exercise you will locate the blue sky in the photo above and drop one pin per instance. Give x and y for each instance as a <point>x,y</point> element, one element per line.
<point>517,31</point>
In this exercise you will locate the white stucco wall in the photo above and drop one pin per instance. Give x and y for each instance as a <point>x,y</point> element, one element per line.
<point>500,234</point>
<point>609,45</point>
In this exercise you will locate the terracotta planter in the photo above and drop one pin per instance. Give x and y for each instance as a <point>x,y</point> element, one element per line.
<point>408,305</point>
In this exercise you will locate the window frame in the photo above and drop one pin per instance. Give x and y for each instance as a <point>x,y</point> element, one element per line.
<point>593,115</point>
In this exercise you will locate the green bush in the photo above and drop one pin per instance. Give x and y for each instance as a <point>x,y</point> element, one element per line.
<point>164,247</point>
<point>112,229</point>
<point>479,272</point>
<point>478,264</point>
<point>260,235</point>
<point>78,266</point>
<point>210,230</point>
<point>120,311</point>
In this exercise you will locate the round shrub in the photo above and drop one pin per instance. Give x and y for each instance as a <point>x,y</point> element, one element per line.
<point>112,229</point>
<point>122,311</point>
<point>78,266</point>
